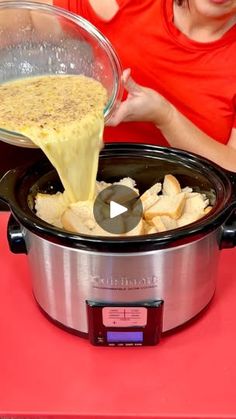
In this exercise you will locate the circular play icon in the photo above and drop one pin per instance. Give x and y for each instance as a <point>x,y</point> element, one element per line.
<point>118,209</point>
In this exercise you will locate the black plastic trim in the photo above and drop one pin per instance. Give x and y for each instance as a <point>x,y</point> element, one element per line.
<point>22,179</point>
<point>228,232</point>
<point>15,236</point>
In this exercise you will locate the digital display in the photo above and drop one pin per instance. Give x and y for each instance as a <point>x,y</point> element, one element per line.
<point>116,337</point>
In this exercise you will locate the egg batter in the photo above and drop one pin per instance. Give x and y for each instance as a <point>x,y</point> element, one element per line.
<point>63,115</point>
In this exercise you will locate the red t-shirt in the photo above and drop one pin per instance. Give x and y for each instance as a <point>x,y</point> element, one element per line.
<point>198,78</point>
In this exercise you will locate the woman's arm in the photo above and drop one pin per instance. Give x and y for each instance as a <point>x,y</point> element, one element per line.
<point>182,133</point>
<point>105,9</point>
<point>143,104</point>
<point>8,19</point>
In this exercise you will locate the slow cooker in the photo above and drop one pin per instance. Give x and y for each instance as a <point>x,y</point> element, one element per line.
<point>123,290</point>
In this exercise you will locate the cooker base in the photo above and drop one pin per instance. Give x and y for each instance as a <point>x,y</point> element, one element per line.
<point>191,321</point>
<point>86,335</point>
<point>61,325</point>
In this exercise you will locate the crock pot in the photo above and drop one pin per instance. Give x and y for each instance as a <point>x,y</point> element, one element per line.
<point>74,276</point>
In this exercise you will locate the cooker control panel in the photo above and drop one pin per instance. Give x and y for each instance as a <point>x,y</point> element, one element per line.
<point>125,324</point>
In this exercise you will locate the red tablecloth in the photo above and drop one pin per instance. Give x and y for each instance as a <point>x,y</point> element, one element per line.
<point>47,371</point>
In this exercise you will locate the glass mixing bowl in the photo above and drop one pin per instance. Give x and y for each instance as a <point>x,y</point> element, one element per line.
<point>38,39</point>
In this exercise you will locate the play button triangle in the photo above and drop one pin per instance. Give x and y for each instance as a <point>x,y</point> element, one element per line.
<point>116,209</point>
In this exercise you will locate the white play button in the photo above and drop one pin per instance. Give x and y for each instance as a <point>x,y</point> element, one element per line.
<point>116,209</point>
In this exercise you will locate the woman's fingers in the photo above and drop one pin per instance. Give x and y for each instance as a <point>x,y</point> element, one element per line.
<point>120,115</point>
<point>134,108</point>
<point>132,87</point>
<point>125,75</point>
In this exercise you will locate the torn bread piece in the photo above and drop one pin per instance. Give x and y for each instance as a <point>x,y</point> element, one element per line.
<point>158,224</point>
<point>194,209</point>
<point>129,182</point>
<point>207,210</point>
<point>189,192</point>
<point>51,207</point>
<point>139,210</point>
<point>78,217</point>
<point>195,202</point>
<point>137,230</point>
<point>187,189</point>
<point>170,205</point>
<point>188,218</point>
<point>148,229</point>
<point>83,209</point>
<point>72,222</point>
<point>150,197</point>
<point>101,185</point>
<point>149,202</point>
<point>153,190</point>
<point>163,223</point>
<point>171,185</point>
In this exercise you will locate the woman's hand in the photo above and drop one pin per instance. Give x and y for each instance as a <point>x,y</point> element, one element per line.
<point>142,104</point>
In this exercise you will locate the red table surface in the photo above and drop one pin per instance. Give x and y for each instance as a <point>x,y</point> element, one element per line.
<point>46,371</point>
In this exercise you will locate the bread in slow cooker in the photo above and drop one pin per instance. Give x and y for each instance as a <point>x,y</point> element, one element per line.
<point>51,207</point>
<point>171,205</point>
<point>150,196</point>
<point>163,223</point>
<point>172,208</point>
<point>171,185</point>
<point>194,208</point>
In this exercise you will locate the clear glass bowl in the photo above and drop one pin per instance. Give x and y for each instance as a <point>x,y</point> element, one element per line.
<point>38,39</point>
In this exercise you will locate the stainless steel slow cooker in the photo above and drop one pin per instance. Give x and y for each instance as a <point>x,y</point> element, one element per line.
<point>118,290</point>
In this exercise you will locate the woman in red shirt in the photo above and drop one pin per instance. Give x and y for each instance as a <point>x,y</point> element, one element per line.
<point>184,51</point>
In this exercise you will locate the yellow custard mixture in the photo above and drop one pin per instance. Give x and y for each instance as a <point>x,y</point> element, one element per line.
<point>63,115</point>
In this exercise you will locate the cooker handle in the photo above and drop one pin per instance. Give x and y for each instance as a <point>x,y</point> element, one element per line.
<point>228,229</point>
<point>228,232</point>
<point>15,235</point>
<point>7,186</point>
